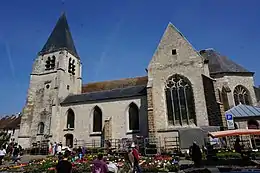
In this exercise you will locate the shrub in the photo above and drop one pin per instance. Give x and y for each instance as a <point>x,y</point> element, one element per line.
<point>228,155</point>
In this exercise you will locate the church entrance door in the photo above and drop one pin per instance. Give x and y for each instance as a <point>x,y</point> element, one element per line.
<point>69,140</point>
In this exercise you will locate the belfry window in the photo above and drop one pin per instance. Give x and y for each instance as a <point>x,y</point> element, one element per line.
<point>133,113</point>
<point>241,95</point>
<point>97,119</point>
<point>50,63</point>
<point>71,68</point>
<point>180,101</point>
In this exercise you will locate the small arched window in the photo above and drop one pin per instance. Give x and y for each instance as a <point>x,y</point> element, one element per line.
<point>133,117</point>
<point>97,119</point>
<point>180,101</point>
<point>70,119</point>
<point>41,128</point>
<point>241,95</point>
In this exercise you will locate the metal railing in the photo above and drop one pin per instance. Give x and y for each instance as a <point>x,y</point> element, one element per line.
<point>147,146</point>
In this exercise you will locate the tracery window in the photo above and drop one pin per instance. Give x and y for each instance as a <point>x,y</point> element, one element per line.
<point>97,119</point>
<point>241,95</point>
<point>133,113</point>
<point>180,100</point>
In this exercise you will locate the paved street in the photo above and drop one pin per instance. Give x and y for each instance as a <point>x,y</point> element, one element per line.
<point>24,159</point>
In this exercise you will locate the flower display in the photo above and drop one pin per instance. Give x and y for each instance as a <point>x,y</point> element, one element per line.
<point>148,164</point>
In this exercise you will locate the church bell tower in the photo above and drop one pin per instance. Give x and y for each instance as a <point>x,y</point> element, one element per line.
<point>56,73</point>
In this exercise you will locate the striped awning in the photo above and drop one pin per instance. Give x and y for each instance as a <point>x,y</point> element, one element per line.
<point>234,133</point>
<point>242,111</point>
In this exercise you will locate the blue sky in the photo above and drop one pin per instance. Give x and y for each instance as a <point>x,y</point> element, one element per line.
<point>116,39</point>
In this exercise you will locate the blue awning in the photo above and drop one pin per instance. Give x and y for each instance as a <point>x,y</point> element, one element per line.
<point>244,111</point>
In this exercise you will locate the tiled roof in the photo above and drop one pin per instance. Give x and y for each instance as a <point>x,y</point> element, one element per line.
<point>221,64</point>
<point>130,91</point>
<point>244,111</point>
<point>60,38</point>
<point>114,84</point>
<point>10,122</point>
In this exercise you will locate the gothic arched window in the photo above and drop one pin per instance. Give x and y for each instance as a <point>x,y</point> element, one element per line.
<point>224,97</point>
<point>97,119</point>
<point>241,95</point>
<point>41,128</point>
<point>180,101</point>
<point>133,117</point>
<point>70,119</point>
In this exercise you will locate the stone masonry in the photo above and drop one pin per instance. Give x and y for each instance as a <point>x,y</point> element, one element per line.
<point>234,80</point>
<point>151,123</point>
<point>116,111</point>
<point>46,90</point>
<point>174,55</point>
<point>213,108</point>
<point>188,63</point>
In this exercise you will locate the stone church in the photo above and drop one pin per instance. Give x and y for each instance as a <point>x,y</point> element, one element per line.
<point>185,92</point>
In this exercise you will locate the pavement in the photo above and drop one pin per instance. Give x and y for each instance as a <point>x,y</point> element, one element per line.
<point>24,159</point>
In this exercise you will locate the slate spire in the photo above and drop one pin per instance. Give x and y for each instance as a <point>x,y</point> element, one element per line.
<point>60,38</point>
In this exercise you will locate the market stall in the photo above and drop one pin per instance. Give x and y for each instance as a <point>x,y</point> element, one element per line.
<point>228,137</point>
<point>237,132</point>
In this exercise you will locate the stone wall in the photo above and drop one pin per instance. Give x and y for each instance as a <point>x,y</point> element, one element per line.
<point>151,124</point>
<point>186,62</point>
<point>234,80</point>
<point>114,110</point>
<point>213,108</point>
<point>223,116</point>
<point>47,88</point>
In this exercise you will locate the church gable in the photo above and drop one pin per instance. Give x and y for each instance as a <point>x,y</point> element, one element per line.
<point>173,61</point>
<point>174,51</point>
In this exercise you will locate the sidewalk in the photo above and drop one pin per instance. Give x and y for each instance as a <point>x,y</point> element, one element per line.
<point>24,159</point>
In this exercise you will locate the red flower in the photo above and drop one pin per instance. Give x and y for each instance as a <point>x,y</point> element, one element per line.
<point>52,168</point>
